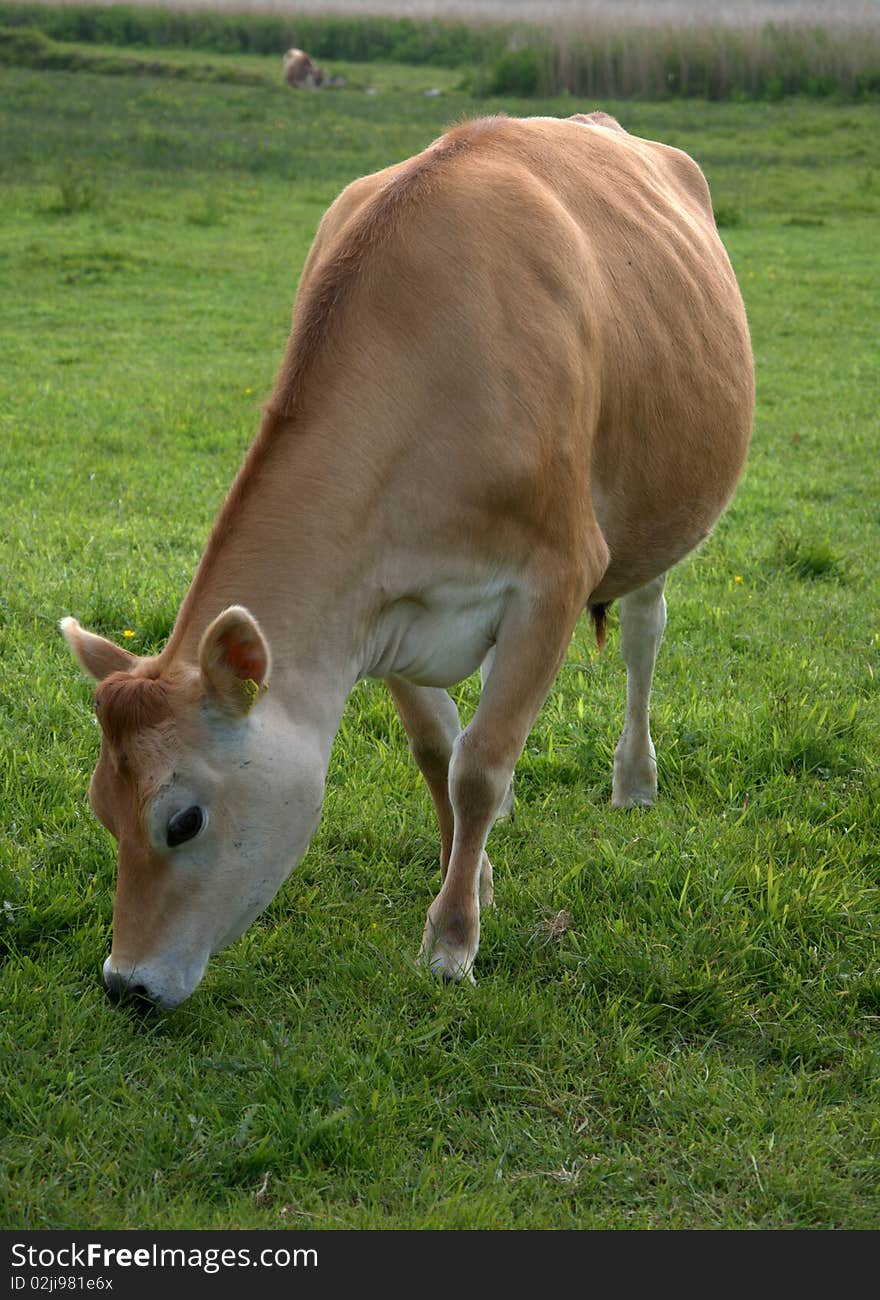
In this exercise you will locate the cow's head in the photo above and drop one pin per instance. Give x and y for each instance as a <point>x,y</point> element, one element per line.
<point>211,791</point>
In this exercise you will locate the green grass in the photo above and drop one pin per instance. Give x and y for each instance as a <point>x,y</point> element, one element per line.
<point>695,1043</point>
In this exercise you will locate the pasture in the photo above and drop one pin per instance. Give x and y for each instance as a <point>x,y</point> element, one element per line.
<point>675,1022</point>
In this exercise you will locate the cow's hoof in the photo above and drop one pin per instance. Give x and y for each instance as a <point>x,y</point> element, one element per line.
<point>449,952</point>
<point>634,784</point>
<point>451,968</point>
<point>466,978</point>
<point>632,799</point>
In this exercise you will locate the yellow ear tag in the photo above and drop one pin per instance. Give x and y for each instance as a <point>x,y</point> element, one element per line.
<point>250,690</point>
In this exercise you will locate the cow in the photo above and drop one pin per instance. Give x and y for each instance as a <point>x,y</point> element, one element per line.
<point>300,72</point>
<point>518,384</point>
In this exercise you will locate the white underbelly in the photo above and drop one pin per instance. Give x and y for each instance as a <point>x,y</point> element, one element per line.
<point>442,636</point>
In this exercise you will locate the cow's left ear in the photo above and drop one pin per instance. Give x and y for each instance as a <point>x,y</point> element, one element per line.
<point>98,656</point>
<point>234,660</point>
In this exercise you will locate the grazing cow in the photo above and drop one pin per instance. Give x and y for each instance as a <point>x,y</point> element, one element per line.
<point>518,384</point>
<point>300,72</point>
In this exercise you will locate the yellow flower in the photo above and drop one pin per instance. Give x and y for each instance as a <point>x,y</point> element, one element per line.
<point>737,578</point>
<point>128,632</point>
<point>248,391</point>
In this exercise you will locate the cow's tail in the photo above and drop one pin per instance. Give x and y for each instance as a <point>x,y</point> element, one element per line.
<point>599,615</point>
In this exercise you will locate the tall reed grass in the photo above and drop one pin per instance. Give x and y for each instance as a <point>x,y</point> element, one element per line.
<point>591,51</point>
<point>703,58</point>
<point>627,13</point>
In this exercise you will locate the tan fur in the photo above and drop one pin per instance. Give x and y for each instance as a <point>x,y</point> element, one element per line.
<point>597,119</point>
<point>300,72</point>
<point>596,392</point>
<point>126,704</point>
<point>521,353</point>
<point>143,723</point>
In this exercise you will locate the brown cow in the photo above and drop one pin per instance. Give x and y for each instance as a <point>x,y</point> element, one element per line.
<point>518,383</point>
<point>300,71</point>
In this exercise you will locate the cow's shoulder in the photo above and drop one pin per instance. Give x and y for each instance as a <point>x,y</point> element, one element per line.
<point>338,215</point>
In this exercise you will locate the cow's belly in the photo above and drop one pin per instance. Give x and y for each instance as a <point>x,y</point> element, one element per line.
<point>441,636</point>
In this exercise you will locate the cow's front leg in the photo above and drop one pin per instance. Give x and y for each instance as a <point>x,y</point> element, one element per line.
<point>642,620</point>
<point>430,719</point>
<point>531,643</point>
<point>508,807</point>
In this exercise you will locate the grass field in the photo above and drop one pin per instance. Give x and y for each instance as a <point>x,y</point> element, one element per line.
<point>676,1018</point>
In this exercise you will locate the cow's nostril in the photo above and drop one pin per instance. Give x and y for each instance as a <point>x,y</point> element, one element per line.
<point>119,988</point>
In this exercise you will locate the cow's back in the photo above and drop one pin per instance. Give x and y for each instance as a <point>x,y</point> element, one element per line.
<point>543,315</point>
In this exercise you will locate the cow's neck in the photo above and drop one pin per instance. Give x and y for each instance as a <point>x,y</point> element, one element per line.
<point>292,544</point>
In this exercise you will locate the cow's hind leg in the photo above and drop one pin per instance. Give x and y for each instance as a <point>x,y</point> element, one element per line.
<point>431,722</point>
<point>531,643</point>
<point>642,620</point>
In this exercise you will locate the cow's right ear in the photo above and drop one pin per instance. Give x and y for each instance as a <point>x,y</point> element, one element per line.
<point>98,656</point>
<point>234,660</point>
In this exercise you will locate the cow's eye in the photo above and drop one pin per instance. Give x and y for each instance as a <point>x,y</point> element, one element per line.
<point>184,825</point>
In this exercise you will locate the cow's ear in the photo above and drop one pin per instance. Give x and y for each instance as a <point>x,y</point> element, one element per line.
<point>98,656</point>
<point>234,660</point>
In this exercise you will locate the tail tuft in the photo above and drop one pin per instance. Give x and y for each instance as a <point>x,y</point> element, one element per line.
<point>599,613</point>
